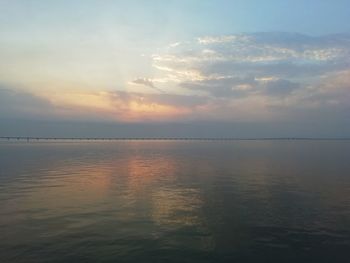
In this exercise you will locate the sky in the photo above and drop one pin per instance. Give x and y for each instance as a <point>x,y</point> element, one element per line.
<point>274,68</point>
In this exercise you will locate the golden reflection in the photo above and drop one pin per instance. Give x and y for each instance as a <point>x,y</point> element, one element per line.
<point>176,206</point>
<point>144,172</point>
<point>136,185</point>
<point>154,179</point>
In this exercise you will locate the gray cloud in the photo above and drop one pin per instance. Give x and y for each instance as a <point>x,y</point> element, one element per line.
<point>18,104</point>
<point>236,87</point>
<point>217,64</point>
<point>15,103</point>
<point>147,82</point>
<point>279,88</point>
<point>163,99</point>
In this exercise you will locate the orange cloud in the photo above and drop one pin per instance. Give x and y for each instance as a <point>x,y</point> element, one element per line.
<point>120,106</point>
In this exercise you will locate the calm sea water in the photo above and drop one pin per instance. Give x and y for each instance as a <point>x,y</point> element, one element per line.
<point>175,201</point>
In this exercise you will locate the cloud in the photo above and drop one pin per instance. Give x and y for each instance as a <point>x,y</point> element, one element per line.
<point>166,99</point>
<point>126,106</point>
<point>15,103</point>
<point>261,77</point>
<point>277,87</point>
<point>257,54</point>
<point>238,87</point>
<point>146,82</point>
<point>133,106</point>
<point>85,105</point>
<point>274,73</point>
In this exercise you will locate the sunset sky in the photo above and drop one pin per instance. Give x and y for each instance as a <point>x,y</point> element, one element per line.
<point>175,68</point>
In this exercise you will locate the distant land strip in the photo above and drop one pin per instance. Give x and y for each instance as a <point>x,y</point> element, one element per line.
<point>31,138</point>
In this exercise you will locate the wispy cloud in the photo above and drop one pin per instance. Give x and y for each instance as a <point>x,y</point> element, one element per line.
<point>261,70</point>
<point>147,82</point>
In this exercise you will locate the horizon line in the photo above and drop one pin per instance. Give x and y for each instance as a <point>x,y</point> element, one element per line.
<point>37,138</point>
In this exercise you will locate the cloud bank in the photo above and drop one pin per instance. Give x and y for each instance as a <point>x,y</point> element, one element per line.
<point>276,74</point>
<point>250,78</point>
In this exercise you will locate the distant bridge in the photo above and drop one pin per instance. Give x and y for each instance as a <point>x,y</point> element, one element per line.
<point>31,138</point>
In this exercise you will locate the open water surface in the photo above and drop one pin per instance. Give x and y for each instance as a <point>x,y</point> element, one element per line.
<point>175,201</point>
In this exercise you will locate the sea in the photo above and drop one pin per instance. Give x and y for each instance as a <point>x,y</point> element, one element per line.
<point>175,201</point>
